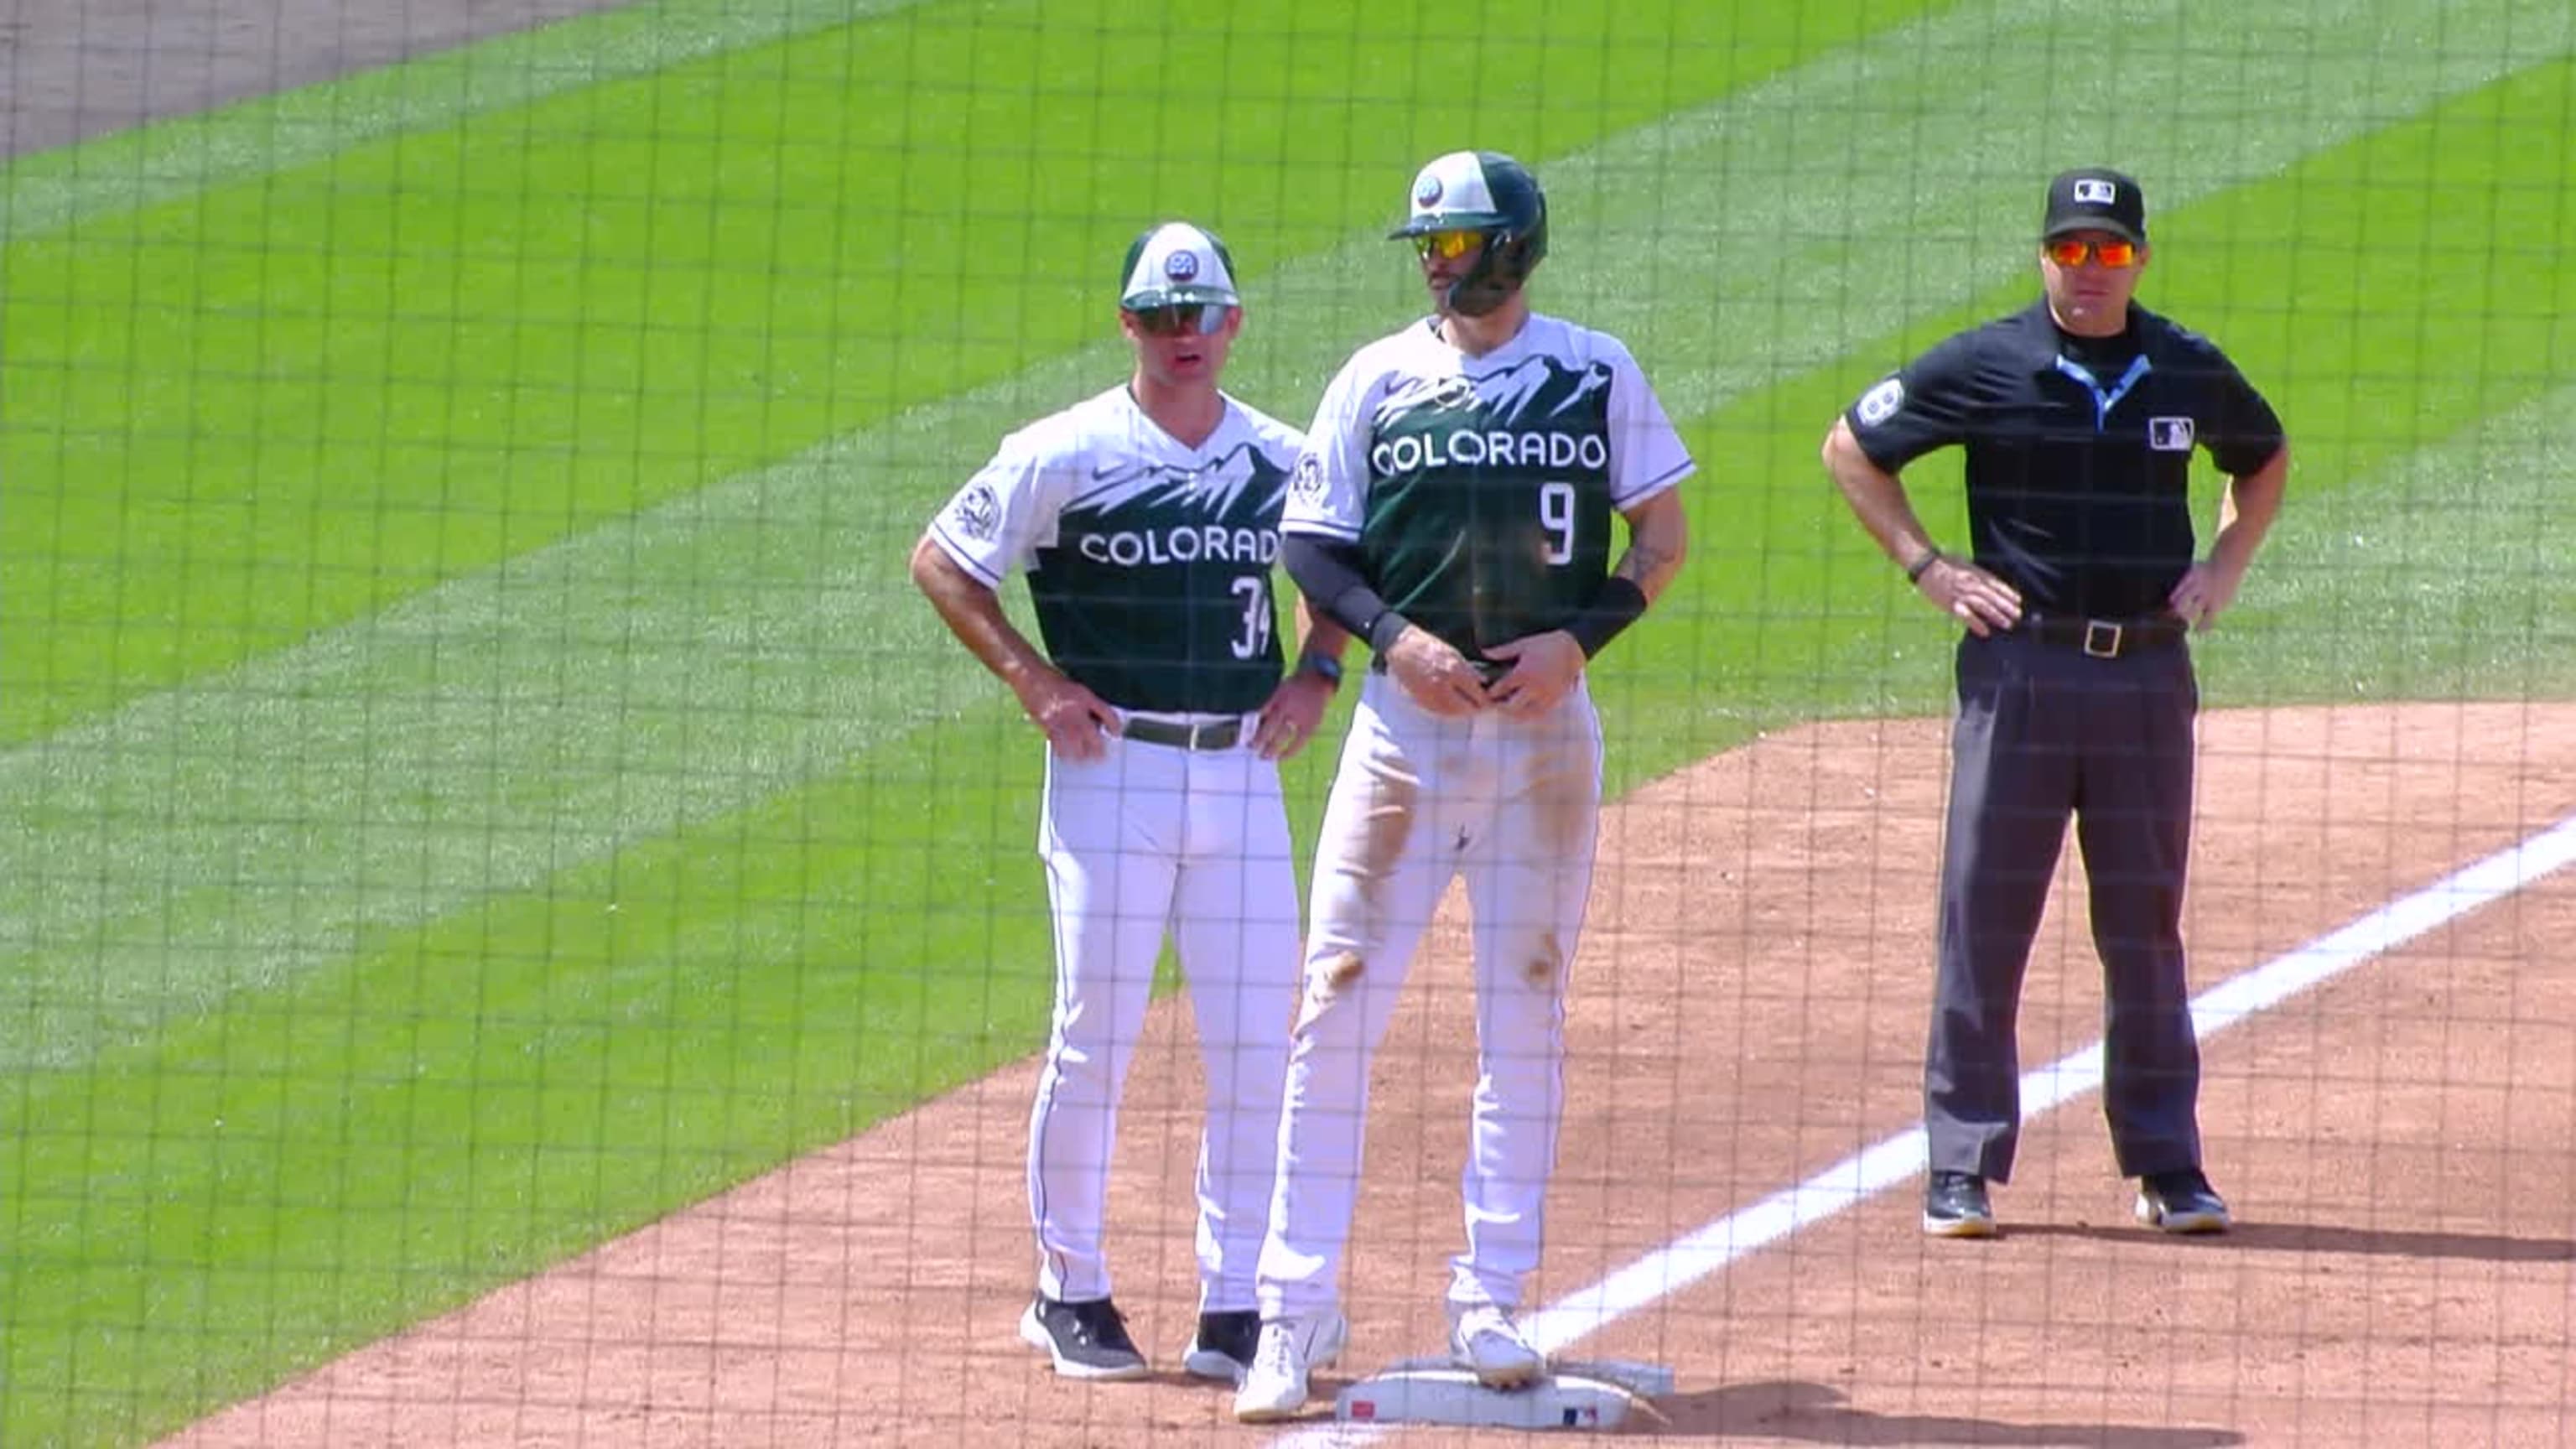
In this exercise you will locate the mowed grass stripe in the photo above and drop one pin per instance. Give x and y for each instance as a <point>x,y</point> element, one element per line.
<point>81,185</point>
<point>284,403</point>
<point>686,665</point>
<point>434,1115</point>
<point>516,996</point>
<point>503,726</point>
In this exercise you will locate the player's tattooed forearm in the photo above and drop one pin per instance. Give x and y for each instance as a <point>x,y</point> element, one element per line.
<point>1643,562</point>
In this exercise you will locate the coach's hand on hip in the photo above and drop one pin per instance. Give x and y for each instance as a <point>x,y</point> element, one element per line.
<point>1437,676</point>
<point>1291,714</point>
<point>1073,717</point>
<point>1544,669</point>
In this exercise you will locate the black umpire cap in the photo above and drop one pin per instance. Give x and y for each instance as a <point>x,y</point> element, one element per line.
<point>2094,198</point>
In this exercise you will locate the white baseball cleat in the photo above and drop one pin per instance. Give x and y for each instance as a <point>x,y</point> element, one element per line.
<point>1486,1341</point>
<point>1290,1348</point>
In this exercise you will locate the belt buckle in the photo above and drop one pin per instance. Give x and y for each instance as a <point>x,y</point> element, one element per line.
<point>1217,734</point>
<point>2102,638</point>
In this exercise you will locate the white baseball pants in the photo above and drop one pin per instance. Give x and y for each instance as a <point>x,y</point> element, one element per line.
<point>1150,837</point>
<point>1514,805</point>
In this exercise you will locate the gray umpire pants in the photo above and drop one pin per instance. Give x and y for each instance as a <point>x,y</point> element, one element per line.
<point>2045,731</point>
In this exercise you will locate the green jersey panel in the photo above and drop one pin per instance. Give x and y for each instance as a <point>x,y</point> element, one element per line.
<point>1156,592</point>
<point>1489,513</point>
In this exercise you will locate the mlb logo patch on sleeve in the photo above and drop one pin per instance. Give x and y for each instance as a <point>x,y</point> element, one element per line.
<point>2169,435</point>
<point>978,513</point>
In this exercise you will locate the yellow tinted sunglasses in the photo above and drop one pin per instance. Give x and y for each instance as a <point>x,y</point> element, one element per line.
<point>2071,251</point>
<point>1449,246</point>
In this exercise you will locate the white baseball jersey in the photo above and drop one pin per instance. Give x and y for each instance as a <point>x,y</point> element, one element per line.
<point>1149,562</point>
<point>1481,488</point>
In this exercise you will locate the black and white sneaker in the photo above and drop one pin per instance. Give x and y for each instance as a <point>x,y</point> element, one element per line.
<point>2181,1201</point>
<point>1955,1206</point>
<point>1222,1348</point>
<point>1087,1340</point>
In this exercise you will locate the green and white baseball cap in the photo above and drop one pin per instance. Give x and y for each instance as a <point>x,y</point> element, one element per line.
<point>1461,192</point>
<point>1174,264</point>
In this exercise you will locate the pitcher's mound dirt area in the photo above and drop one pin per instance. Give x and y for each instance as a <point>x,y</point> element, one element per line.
<point>1748,1008</point>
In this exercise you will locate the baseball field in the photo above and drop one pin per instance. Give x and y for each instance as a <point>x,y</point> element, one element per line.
<point>517,925</point>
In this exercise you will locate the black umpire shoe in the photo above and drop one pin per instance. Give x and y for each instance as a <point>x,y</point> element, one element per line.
<point>1954,1206</point>
<point>1087,1340</point>
<point>1222,1348</point>
<point>2181,1201</point>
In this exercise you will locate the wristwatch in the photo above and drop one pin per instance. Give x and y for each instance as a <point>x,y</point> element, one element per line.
<point>1324,666</point>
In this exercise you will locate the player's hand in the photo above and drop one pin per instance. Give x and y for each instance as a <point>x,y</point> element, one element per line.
<point>1291,714</point>
<point>2206,591</point>
<point>1438,677</point>
<point>1075,720</point>
<point>1544,668</point>
<point>1970,595</point>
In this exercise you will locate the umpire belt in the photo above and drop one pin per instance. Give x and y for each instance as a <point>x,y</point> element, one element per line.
<point>2103,638</point>
<point>1214,734</point>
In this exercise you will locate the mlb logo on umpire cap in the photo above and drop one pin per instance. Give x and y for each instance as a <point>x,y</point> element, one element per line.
<point>1174,264</point>
<point>2093,198</point>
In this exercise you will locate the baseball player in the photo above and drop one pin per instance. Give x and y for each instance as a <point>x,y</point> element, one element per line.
<point>1147,519</point>
<point>2079,416</point>
<point>1453,506</point>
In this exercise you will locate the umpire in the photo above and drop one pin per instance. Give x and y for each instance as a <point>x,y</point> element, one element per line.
<point>2076,695</point>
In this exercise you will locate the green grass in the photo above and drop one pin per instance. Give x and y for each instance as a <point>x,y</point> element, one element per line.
<point>481,779</point>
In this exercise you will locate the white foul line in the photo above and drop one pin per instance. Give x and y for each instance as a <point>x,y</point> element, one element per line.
<point>1705,1250</point>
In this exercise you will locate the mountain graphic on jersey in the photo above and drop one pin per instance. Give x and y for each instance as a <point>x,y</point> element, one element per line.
<point>1219,488</point>
<point>1488,514</point>
<point>1141,515</point>
<point>1156,590</point>
<point>1535,413</point>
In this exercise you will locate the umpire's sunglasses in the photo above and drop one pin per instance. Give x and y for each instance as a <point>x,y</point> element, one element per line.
<point>1180,319</point>
<point>2070,251</point>
<point>1449,246</point>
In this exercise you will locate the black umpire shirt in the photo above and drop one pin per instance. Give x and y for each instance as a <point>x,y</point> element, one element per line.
<point>2078,450</point>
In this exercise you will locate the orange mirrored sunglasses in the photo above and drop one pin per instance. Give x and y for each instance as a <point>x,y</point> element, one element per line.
<point>1449,246</point>
<point>2068,251</point>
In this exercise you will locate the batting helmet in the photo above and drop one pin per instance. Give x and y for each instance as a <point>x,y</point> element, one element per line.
<point>1487,192</point>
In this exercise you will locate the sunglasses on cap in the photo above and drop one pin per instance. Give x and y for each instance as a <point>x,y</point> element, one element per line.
<point>1449,246</point>
<point>1180,319</point>
<point>2070,251</point>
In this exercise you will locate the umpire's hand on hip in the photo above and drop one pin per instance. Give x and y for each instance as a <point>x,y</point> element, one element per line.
<point>1438,677</point>
<point>1970,595</point>
<point>1544,670</point>
<point>2207,588</point>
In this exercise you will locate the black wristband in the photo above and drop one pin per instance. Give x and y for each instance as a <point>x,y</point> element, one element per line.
<point>1619,604</point>
<point>1915,571</point>
<point>1385,629</point>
